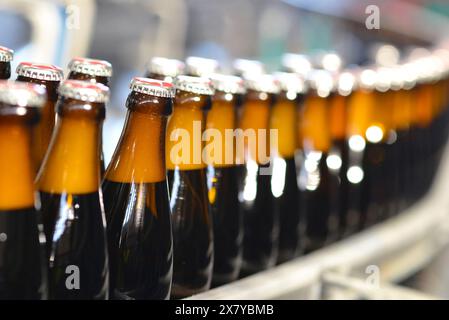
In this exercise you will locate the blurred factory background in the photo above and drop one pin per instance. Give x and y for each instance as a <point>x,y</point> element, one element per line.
<point>129,32</point>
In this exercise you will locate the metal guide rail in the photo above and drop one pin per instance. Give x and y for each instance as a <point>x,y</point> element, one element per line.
<point>394,250</point>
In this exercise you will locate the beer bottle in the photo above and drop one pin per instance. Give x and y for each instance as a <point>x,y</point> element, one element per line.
<point>285,188</point>
<point>360,106</point>
<point>6,56</point>
<point>316,181</point>
<point>190,209</point>
<point>338,158</point>
<point>69,185</point>
<point>48,76</point>
<point>22,263</point>
<point>95,71</point>
<point>223,175</point>
<point>257,195</point>
<point>164,69</point>
<point>201,67</point>
<point>136,197</point>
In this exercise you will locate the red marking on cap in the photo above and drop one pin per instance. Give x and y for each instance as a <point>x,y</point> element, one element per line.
<point>92,61</point>
<point>5,49</point>
<point>154,82</point>
<point>43,66</point>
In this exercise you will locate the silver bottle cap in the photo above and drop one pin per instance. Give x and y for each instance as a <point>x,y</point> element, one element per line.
<point>153,87</point>
<point>262,83</point>
<point>228,83</point>
<point>92,67</point>
<point>321,81</point>
<point>291,82</point>
<point>346,82</point>
<point>22,94</point>
<point>198,85</point>
<point>201,67</point>
<point>84,91</point>
<point>297,63</point>
<point>166,67</point>
<point>6,54</point>
<point>248,68</point>
<point>40,71</point>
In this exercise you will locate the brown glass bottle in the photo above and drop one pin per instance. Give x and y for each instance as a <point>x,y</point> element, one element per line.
<point>193,244</point>
<point>23,268</point>
<point>283,119</point>
<point>48,76</point>
<point>164,69</point>
<point>223,178</point>
<point>69,186</point>
<point>136,197</point>
<point>360,106</point>
<point>338,159</point>
<point>257,198</point>
<point>95,71</point>
<point>316,180</point>
<point>6,56</point>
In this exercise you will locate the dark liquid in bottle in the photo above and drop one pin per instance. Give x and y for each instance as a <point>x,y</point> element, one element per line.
<point>317,204</point>
<point>139,239</point>
<point>5,70</point>
<point>192,232</point>
<point>291,236</point>
<point>374,192</point>
<point>261,221</point>
<point>78,250</point>
<point>227,222</point>
<point>21,256</point>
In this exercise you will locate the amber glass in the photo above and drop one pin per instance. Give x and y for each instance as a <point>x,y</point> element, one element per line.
<point>360,105</point>
<point>284,183</point>
<point>193,244</point>
<point>137,204</point>
<point>222,180</point>
<point>259,204</point>
<point>337,161</point>
<point>94,79</point>
<point>43,130</point>
<point>316,182</point>
<point>72,206</point>
<point>23,268</point>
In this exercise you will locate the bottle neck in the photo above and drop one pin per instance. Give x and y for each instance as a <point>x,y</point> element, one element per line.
<point>43,130</point>
<point>337,117</point>
<point>16,168</point>
<point>184,143</point>
<point>140,155</point>
<point>220,134</point>
<point>360,106</point>
<point>284,120</point>
<point>72,163</point>
<point>254,123</point>
<point>314,125</point>
<point>87,77</point>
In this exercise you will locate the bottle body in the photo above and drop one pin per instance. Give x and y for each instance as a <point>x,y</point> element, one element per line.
<point>72,202</point>
<point>23,267</point>
<point>193,243</point>
<point>260,207</point>
<point>315,178</point>
<point>137,204</point>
